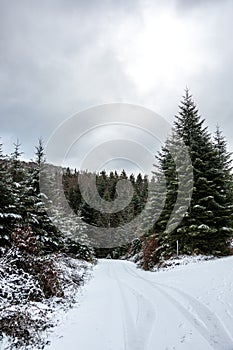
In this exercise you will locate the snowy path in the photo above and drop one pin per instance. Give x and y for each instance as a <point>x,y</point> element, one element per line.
<point>125,308</point>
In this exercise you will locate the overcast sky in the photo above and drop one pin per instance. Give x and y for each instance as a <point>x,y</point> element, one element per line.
<point>60,57</point>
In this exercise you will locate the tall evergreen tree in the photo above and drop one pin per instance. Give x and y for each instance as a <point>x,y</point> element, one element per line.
<point>17,176</point>
<point>47,235</point>
<point>205,226</point>
<point>6,201</point>
<point>224,180</point>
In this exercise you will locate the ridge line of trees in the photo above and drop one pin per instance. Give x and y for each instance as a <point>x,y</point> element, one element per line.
<point>206,227</point>
<point>22,206</point>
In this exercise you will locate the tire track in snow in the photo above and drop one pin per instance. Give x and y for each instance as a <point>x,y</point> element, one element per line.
<point>136,331</point>
<point>145,320</point>
<point>202,318</point>
<point>217,330</point>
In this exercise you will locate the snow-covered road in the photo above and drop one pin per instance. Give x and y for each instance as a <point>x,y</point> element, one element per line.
<point>124,308</point>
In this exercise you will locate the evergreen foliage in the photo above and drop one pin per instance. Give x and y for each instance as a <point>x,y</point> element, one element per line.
<point>22,207</point>
<point>206,190</point>
<point>6,200</point>
<point>206,226</point>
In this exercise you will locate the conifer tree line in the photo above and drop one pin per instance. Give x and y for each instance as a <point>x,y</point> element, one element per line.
<point>22,208</point>
<point>205,227</point>
<point>106,187</point>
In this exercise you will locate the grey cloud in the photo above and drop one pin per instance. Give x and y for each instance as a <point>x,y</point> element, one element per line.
<point>184,5</point>
<point>58,57</point>
<point>53,63</point>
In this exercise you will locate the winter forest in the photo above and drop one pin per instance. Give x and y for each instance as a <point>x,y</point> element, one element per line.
<point>42,264</point>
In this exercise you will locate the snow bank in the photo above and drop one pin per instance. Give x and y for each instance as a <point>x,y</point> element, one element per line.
<point>181,260</point>
<point>32,301</point>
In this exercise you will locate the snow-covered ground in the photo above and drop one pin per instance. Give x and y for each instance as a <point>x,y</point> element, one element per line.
<point>26,313</point>
<point>188,307</point>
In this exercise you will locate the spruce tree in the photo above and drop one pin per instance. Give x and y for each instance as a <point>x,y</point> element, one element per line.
<point>36,217</point>
<point>17,176</point>
<point>205,226</point>
<point>6,203</point>
<point>224,182</point>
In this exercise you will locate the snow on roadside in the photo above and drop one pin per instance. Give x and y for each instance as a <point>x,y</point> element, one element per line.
<point>26,312</point>
<point>181,260</point>
<point>187,307</point>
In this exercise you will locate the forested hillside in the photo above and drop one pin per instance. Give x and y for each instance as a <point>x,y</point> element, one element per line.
<point>41,268</point>
<point>189,211</point>
<point>22,205</point>
<point>205,228</point>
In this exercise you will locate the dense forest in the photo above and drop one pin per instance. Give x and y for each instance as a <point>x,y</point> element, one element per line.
<point>22,208</point>
<point>205,227</point>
